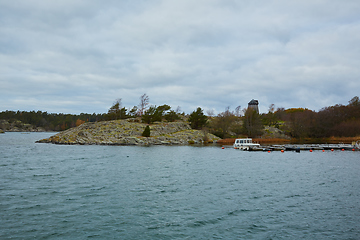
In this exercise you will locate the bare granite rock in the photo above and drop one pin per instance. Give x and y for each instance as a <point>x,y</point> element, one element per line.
<point>18,126</point>
<point>127,132</point>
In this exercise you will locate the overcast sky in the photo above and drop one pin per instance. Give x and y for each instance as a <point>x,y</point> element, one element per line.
<point>76,56</point>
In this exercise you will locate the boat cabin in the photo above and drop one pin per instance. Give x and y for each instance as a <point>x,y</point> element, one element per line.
<point>243,141</point>
<point>245,144</point>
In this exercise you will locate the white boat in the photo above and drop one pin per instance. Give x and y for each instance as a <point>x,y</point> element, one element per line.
<point>245,144</point>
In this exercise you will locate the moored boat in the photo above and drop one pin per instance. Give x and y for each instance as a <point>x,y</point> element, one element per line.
<point>245,144</point>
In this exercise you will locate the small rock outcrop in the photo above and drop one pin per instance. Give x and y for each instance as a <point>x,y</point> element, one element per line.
<point>126,132</point>
<point>272,132</point>
<point>18,126</point>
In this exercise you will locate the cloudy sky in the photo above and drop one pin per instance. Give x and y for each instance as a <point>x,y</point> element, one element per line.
<point>76,56</point>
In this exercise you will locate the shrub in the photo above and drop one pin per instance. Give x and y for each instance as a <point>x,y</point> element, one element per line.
<point>146,132</point>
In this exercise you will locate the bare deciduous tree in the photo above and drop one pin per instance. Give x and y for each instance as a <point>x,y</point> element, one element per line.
<point>210,112</point>
<point>272,108</point>
<point>238,111</point>
<point>144,102</point>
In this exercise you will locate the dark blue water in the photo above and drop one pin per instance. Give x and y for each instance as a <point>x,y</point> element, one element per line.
<point>174,192</point>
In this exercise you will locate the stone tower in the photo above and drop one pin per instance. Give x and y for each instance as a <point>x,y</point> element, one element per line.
<point>254,104</point>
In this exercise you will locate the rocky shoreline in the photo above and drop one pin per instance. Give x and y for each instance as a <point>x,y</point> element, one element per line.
<point>18,126</point>
<point>128,132</point>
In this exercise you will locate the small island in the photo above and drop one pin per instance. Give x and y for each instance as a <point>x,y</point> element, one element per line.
<point>152,125</point>
<point>130,132</point>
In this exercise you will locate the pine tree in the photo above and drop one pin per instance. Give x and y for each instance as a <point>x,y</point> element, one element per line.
<point>197,119</point>
<point>146,132</point>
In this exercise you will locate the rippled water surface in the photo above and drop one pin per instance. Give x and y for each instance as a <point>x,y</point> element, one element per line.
<point>174,192</point>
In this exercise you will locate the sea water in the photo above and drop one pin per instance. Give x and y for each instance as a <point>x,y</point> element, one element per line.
<point>174,192</point>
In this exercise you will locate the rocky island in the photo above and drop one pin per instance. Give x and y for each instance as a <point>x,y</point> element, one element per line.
<point>129,132</point>
<point>18,126</point>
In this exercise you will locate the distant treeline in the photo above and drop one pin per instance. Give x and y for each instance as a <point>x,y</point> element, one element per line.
<point>51,121</point>
<point>338,120</point>
<point>60,121</point>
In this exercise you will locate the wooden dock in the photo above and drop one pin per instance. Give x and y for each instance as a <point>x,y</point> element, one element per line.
<point>312,147</point>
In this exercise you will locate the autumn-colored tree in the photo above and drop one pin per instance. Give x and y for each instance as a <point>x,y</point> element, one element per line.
<point>79,122</point>
<point>63,126</point>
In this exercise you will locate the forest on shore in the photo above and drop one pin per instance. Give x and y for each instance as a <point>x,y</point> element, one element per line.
<point>338,120</point>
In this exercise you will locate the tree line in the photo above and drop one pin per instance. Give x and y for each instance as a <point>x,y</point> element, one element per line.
<point>338,120</point>
<point>50,121</point>
<point>59,121</point>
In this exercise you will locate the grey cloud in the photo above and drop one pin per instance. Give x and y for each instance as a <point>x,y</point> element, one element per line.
<point>212,54</point>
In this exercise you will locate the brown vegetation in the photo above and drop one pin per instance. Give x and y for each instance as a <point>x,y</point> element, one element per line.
<point>271,140</point>
<point>341,139</point>
<point>226,141</point>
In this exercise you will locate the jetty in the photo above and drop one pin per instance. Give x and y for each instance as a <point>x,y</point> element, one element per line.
<point>306,147</point>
